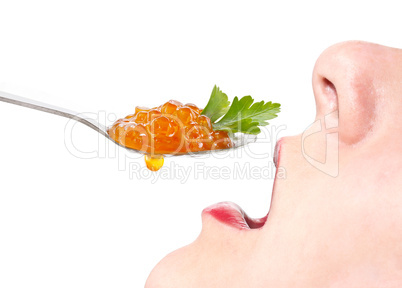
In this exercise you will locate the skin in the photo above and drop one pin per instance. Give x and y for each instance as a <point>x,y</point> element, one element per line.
<point>334,225</point>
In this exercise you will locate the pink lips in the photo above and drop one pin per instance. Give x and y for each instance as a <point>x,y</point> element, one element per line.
<point>232,215</point>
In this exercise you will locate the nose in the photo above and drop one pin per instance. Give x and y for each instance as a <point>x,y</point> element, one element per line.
<point>349,78</point>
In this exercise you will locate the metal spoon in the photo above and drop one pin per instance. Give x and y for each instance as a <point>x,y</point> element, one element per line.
<point>239,139</point>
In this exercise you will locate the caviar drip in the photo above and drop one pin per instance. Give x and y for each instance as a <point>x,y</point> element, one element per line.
<point>172,128</point>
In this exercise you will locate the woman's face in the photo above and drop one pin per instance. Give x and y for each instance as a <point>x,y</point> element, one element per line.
<point>336,218</point>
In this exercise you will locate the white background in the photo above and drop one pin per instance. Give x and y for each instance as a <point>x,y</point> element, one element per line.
<point>66,221</point>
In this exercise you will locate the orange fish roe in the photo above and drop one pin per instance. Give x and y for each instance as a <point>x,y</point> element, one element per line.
<point>172,128</point>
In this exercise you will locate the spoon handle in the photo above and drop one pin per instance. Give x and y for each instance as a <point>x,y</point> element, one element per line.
<point>29,103</point>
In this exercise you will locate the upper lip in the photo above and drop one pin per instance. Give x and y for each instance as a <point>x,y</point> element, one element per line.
<point>232,215</point>
<point>277,152</point>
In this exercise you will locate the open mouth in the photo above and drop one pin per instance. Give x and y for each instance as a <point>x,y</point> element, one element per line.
<point>232,215</point>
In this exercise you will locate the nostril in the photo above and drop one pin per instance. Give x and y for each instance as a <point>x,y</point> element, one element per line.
<point>329,86</point>
<point>329,90</point>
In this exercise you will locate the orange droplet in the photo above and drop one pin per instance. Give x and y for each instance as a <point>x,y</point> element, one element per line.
<point>154,162</point>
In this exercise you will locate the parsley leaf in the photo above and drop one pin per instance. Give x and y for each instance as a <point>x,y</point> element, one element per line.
<point>217,106</point>
<point>242,116</point>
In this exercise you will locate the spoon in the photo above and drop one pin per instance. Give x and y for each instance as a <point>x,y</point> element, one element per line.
<point>239,139</point>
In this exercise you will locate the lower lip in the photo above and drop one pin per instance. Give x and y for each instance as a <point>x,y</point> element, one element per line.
<point>232,215</point>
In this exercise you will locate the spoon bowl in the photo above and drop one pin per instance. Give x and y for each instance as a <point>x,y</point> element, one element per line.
<point>238,139</point>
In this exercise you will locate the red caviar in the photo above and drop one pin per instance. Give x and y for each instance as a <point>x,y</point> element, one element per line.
<point>171,128</point>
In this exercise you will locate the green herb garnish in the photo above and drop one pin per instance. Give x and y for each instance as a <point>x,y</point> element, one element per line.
<point>217,106</point>
<point>242,116</point>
